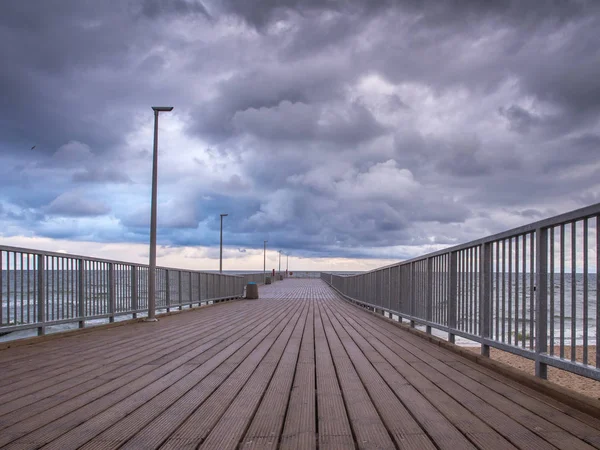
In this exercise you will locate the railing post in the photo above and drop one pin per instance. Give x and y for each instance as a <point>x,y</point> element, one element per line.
<point>541,300</point>
<point>411,291</point>
<point>452,294</point>
<point>134,290</point>
<point>390,291</point>
<point>179,290</point>
<point>41,312</point>
<point>81,293</point>
<point>112,303</point>
<point>208,291</point>
<point>168,293</point>
<point>429,310</point>
<point>191,291</point>
<point>485,297</point>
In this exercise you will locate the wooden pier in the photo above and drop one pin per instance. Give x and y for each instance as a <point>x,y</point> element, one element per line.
<point>297,369</point>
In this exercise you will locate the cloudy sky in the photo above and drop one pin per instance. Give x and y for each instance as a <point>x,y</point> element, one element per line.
<point>348,133</point>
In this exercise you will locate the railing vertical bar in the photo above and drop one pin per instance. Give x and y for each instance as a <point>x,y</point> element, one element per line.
<point>573,290</point>
<point>485,297</point>
<point>81,293</point>
<point>27,273</point>
<point>551,312</point>
<point>134,290</point>
<point>597,291</point>
<point>452,294</point>
<point>524,293</point>
<point>21,277</point>
<point>516,340</point>
<point>2,291</point>
<point>470,304</point>
<point>463,290</point>
<point>389,288</point>
<point>496,271</point>
<point>541,301</point>
<point>64,294</point>
<point>41,300</point>
<point>562,290</point>
<point>8,288</point>
<point>180,291</point>
<point>510,289</point>
<point>504,290</point>
<point>190,285</point>
<point>411,291</point>
<point>585,290</point>
<point>112,292</point>
<point>531,289</point>
<point>15,307</point>
<point>429,290</point>
<point>167,291</point>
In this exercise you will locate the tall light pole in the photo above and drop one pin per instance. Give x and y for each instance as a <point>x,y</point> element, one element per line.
<point>287,262</point>
<point>152,269</point>
<point>265,263</point>
<point>280,261</point>
<point>221,246</point>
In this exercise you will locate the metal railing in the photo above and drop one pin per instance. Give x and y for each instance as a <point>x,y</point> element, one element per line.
<point>44,289</point>
<point>305,274</point>
<point>259,278</point>
<point>531,291</point>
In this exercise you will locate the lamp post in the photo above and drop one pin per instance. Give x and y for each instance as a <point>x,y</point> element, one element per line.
<point>152,268</point>
<point>221,245</point>
<point>279,261</point>
<point>265,263</point>
<point>287,262</point>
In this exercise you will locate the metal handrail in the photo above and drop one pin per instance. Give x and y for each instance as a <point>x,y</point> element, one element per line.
<point>531,291</point>
<point>41,289</point>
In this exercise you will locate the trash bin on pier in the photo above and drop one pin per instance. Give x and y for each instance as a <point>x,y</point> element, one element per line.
<point>252,291</point>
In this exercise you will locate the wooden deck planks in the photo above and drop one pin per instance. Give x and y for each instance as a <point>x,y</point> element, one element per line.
<point>65,352</point>
<point>299,368</point>
<point>369,430</point>
<point>229,431</point>
<point>135,411</point>
<point>191,340</point>
<point>198,425</point>
<point>333,423</point>
<point>436,425</point>
<point>266,425</point>
<point>89,405</point>
<point>480,395</point>
<point>481,434</point>
<point>33,391</point>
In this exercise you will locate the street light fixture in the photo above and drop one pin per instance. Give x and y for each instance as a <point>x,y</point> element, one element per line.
<point>221,246</point>
<point>265,263</point>
<point>152,268</point>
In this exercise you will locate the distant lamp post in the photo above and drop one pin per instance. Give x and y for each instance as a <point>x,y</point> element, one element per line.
<point>152,268</point>
<point>279,261</point>
<point>221,246</point>
<point>265,263</point>
<point>287,262</point>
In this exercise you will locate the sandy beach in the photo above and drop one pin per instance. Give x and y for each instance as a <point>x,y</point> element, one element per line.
<point>583,385</point>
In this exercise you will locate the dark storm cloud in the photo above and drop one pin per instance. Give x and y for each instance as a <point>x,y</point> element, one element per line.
<point>329,127</point>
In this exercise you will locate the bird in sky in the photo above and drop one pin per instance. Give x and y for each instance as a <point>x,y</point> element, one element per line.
<point>32,147</point>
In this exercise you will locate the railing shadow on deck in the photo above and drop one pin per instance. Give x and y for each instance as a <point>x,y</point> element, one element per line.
<point>531,291</point>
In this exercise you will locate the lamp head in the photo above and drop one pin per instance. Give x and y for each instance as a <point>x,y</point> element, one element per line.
<point>162,108</point>
<point>224,215</point>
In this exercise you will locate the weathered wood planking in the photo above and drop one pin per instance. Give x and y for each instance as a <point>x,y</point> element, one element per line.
<point>298,368</point>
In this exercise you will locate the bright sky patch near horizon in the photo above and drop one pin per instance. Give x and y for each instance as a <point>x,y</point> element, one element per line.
<point>350,134</point>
